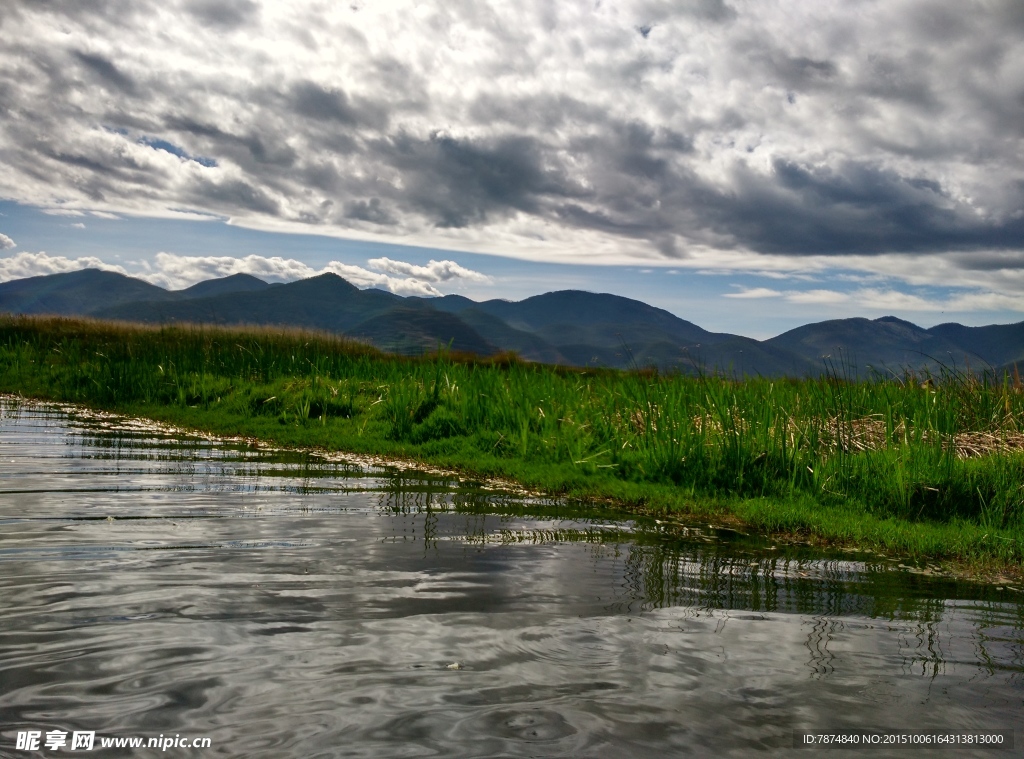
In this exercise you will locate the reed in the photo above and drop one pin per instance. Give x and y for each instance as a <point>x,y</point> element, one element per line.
<point>931,465</point>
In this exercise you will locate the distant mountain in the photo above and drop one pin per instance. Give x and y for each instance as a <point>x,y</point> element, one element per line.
<point>529,345</point>
<point>995,345</point>
<point>569,327</point>
<point>417,329</point>
<point>88,291</point>
<point>744,356</point>
<point>858,347</point>
<point>235,283</point>
<point>325,302</point>
<point>74,293</point>
<point>600,318</point>
<point>609,330</point>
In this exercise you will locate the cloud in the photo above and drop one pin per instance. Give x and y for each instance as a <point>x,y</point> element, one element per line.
<point>894,300</point>
<point>361,277</point>
<point>876,299</point>
<point>176,272</point>
<point>226,14</point>
<point>817,296</point>
<point>742,135</point>
<point>434,271</point>
<point>6,243</point>
<point>27,264</point>
<point>754,292</point>
<point>104,72</point>
<point>999,272</point>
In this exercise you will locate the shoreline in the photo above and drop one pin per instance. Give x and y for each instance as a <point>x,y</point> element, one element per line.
<point>1001,574</point>
<point>883,467</point>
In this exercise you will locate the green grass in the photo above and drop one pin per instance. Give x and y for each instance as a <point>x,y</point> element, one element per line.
<point>889,464</point>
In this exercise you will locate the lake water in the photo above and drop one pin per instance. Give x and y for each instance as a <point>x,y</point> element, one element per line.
<point>282,605</point>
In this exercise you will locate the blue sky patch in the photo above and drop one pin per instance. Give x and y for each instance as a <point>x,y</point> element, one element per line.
<point>170,147</point>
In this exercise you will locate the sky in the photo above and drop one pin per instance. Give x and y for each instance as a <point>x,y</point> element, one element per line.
<point>749,166</point>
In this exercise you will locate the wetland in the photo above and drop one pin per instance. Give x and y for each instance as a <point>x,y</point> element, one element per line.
<point>287,604</point>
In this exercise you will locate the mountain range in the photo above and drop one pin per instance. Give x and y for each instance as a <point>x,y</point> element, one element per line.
<point>569,327</point>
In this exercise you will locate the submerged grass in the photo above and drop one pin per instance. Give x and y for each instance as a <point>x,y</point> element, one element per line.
<point>932,467</point>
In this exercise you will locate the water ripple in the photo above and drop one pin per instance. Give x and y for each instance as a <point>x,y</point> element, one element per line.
<point>287,606</point>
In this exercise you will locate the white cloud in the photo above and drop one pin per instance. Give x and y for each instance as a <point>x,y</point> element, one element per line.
<point>996,272</point>
<point>78,225</point>
<point>361,277</point>
<point>6,243</point>
<point>176,272</point>
<point>867,299</point>
<point>740,134</point>
<point>817,296</point>
<point>63,212</point>
<point>754,292</point>
<point>27,264</point>
<point>893,300</point>
<point>434,271</point>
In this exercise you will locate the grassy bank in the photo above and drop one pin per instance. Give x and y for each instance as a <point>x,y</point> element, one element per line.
<point>926,468</point>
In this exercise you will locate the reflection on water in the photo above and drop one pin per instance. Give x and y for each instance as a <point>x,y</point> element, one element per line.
<point>284,605</point>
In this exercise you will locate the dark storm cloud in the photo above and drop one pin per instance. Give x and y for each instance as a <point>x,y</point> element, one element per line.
<point>789,129</point>
<point>706,10</point>
<point>320,104</point>
<point>990,261</point>
<point>900,80</point>
<point>635,148</point>
<point>235,195</point>
<point>226,14</point>
<point>371,210</point>
<point>714,10</point>
<point>456,183</point>
<point>802,73</point>
<point>190,125</point>
<point>542,110</point>
<point>93,15</point>
<point>95,166</point>
<point>317,103</point>
<point>853,208</point>
<point>105,72</point>
<point>598,219</point>
<point>251,150</point>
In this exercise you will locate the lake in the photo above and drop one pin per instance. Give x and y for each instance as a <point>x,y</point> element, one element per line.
<point>279,604</point>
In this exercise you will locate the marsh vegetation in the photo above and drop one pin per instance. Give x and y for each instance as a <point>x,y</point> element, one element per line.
<point>932,466</point>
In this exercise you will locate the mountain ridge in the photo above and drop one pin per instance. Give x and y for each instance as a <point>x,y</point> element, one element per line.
<point>571,327</point>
